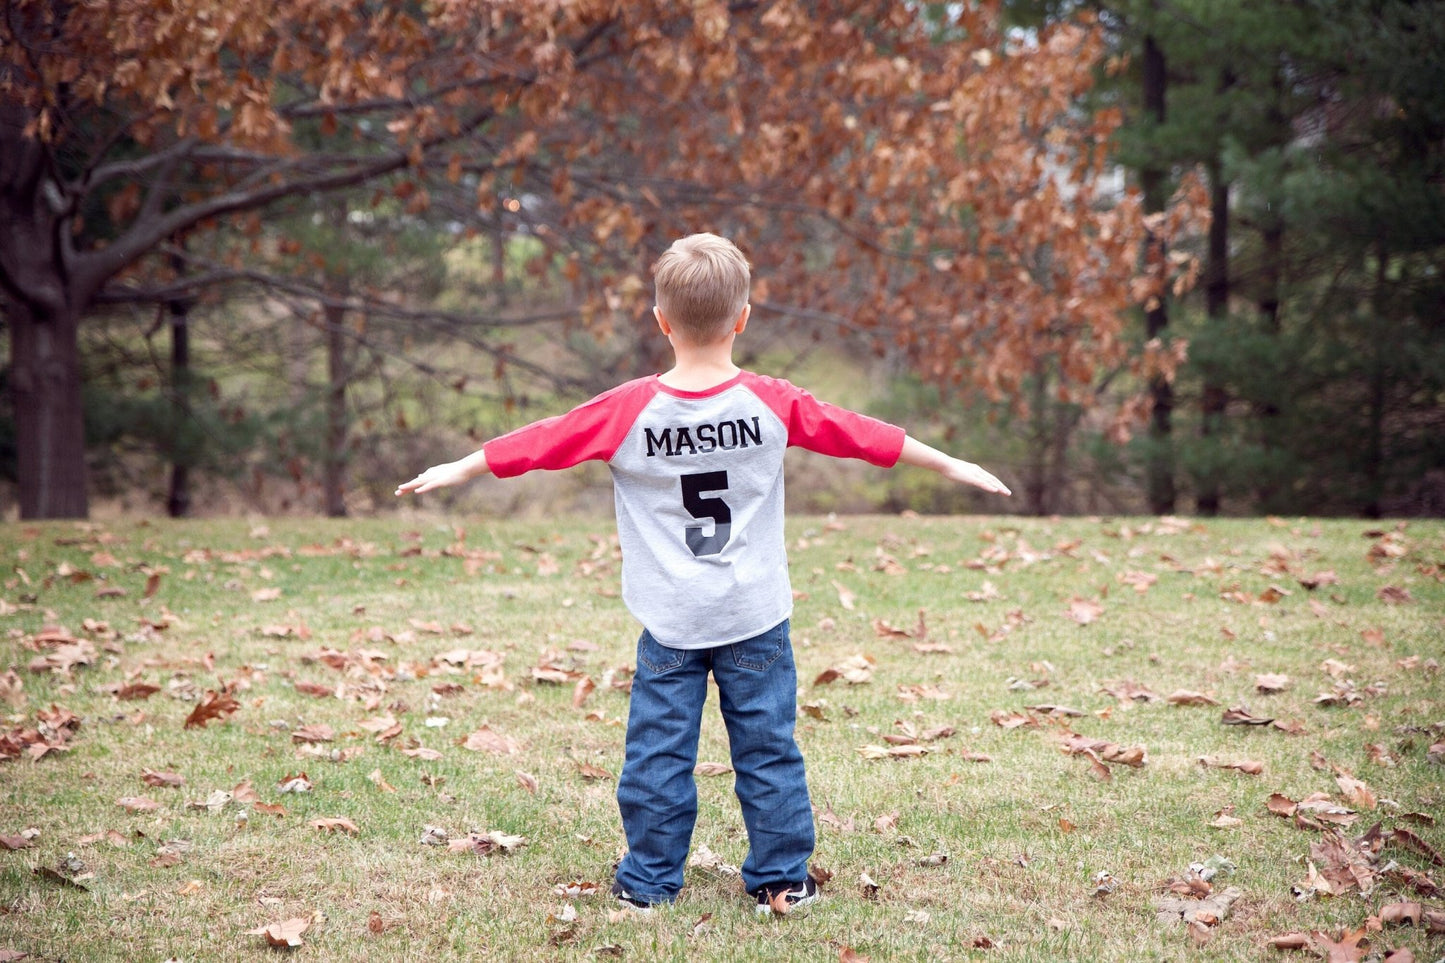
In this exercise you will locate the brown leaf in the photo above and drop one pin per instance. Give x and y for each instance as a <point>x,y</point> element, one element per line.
<point>849,955</point>
<point>1349,948</point>
<point>527,781</point>
<point>484,844</point>
<point>137,804</point>
<point>316,733</point>
<point>332,824</point>
<point>285,933</point>
<point>588,771</point>
<point>1005,719</point>
<point>487,739</point>
<point>582,690</point>
<point>1084,611</point>
<point>712,769</point>
<point>1187,697</point>
<point>1355,790</point>
<point>136,690</point>
<point>1247,766</point>
<point>13,843</point>
<point>1271,682</point>
<point>213,705</point>
<point>1290,941</point>
<point>1241,716</point>
<point>170,779</point>
<point>1401,914</point>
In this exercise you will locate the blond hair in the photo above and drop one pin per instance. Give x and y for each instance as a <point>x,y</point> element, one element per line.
<point>702,286</point>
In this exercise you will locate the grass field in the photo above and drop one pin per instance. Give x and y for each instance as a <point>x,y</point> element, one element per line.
<point>998,768</point>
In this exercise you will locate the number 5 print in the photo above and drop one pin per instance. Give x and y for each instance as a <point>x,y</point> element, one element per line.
<point>715,508</point>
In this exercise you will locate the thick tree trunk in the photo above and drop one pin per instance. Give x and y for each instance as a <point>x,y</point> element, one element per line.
<point>49,423</point>
<point>43,317</point>
<point>1160,468</point>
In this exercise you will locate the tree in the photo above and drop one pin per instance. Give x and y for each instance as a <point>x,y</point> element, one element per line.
<point>942,197</point>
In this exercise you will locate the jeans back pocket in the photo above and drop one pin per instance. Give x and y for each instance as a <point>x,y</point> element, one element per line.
<point>760,651</point>
<point>658,657</point>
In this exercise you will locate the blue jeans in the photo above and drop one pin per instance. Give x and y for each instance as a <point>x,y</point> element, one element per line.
<point>757,688</point>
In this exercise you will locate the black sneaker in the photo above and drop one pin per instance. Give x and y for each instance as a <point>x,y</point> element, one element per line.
<point>786,897</point>
<point>628,900</point>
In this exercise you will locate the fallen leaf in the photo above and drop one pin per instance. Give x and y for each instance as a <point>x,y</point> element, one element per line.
<point>582,690</point>
<point>1271,682</point>
<point>1241,716</point>
<point>137,804</point>
<point>1187,697</point>
<point>484,844</point>
<point>1401,914</point>
<point>213,705</point>
<point>316,733</point>
<point>712,769</point>
<point>286,933</point>
<point>332,824</point>
<point>167,779</point>
<point>486,739</point>
<point>1247,766</point>
<point>1084,611</point>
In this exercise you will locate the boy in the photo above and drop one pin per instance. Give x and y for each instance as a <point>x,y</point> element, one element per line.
<point>696,456</point>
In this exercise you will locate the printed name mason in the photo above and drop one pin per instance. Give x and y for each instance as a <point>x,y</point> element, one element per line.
<point>700,439</point>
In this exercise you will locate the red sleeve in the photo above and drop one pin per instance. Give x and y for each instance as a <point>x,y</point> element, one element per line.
<point>591,431</point>
<point>829,429</point>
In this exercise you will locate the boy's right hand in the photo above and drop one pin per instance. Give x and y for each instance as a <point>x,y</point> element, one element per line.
<point>970,474</point>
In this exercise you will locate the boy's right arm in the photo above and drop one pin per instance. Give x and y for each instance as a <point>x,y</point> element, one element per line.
<point>450,473</point>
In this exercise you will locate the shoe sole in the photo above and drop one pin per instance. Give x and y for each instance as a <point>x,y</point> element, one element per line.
<point>766,909</point>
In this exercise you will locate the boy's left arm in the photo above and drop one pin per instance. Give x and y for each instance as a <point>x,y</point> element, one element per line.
<point>917,453</point>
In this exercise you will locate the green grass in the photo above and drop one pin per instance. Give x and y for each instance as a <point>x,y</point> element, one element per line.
<point>1025,834</point>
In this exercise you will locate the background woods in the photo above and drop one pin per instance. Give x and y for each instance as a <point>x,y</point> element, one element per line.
<point>243,251</point>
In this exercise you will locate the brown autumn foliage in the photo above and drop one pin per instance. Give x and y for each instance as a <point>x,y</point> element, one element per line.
<point>934,186</point>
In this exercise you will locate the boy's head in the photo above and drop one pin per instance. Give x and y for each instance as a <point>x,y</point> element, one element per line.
<point>702,286</point>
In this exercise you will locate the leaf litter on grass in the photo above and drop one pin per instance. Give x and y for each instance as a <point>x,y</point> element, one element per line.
<point>1366,668</point>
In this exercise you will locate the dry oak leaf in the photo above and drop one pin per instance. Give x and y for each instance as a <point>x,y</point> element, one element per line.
<point>487,739</point>
<point>1084,611</point>
<point>1247,766</point>
<point>855,670</point>
<point>484,844</point>
<point>317,733</point>
<point>286,933</point>
<point>332,824</point>
<point>170,779</point>
<point>1355,790</point>
<point>1271,682</point>
<point>213,705</point>
<point>1241,716</point>
<point>1005,719</point>
<point>137,804</point>
<point>892,752</point>
<point>1188,697</point>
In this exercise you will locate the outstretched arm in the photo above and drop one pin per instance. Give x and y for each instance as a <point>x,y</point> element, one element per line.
<point>451,473</point>
<point>917,453</point>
